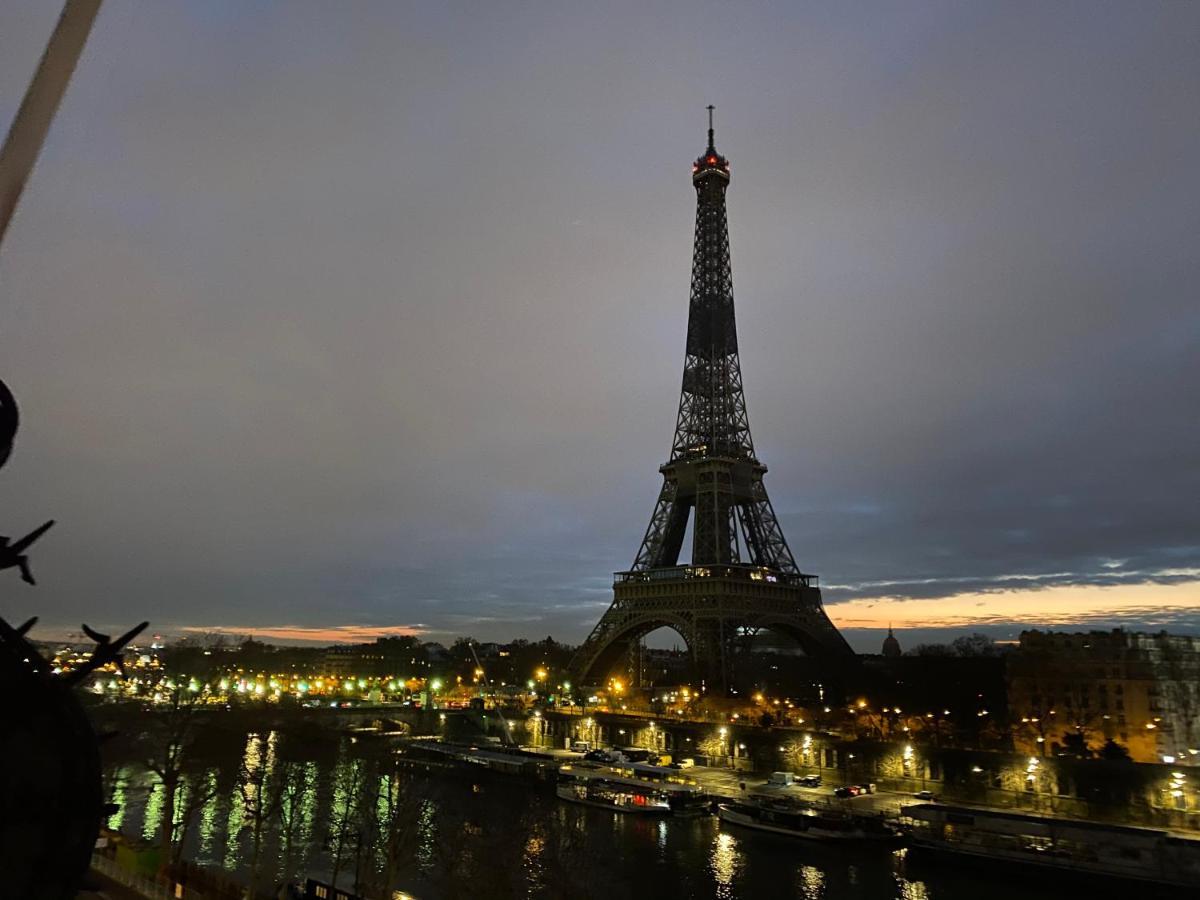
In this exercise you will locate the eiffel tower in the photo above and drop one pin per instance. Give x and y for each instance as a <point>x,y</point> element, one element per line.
<point>742,577</point>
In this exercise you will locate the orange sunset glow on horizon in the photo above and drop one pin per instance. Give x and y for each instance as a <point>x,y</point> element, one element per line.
<point>1058,606</point>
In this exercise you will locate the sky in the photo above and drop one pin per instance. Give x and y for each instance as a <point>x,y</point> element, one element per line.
<point>332,321</point>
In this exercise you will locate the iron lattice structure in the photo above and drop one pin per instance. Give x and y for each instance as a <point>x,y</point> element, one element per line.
<point>742,577</point>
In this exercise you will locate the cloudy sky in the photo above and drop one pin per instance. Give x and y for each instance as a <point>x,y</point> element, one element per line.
<point>366,316</point>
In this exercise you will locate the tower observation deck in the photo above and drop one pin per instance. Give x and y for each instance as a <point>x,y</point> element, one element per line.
<point>742,577</point>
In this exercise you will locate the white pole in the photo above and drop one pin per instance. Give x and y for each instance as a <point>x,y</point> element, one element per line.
<point>28,131</point>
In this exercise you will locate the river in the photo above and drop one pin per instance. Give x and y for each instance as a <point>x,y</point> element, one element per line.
<point>462,837</point>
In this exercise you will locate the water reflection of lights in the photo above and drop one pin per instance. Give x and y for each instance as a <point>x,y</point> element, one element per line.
<point>154,811</point>
<point>118,797</point>
<point>912,890</point>
<point>810,882</point>
<point>208,819</point>
<point>535,847</point>
<point>905,889</point>
<point>427,836</point>
<point>662,836</point>
<point>724,863</point>
<point>233,825</point>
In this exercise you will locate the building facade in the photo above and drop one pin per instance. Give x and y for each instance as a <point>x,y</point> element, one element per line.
<point>1072,692</point>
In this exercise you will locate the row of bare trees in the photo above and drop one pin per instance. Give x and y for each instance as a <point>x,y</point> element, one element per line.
<point>371,816</point>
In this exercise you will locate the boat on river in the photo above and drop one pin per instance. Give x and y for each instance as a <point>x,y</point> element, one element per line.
<point>801,820</point>
<point>493,759</point>
<point>1067,845</point>
<point>632,795</point>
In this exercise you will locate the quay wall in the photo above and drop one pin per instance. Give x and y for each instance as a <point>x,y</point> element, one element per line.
<point>1103,790</point>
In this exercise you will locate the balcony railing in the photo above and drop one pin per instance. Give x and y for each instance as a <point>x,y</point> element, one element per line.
<point>735,572</point>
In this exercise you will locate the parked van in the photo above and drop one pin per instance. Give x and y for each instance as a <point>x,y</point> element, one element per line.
<point>634,754</point>
<point>782,778</point>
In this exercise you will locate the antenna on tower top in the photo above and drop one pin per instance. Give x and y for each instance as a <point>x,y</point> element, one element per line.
<point>711,146</point>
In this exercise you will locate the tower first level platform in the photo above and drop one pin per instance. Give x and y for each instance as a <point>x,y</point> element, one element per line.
<point>717,609</point>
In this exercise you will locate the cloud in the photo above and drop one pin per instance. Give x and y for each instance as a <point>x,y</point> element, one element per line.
<point>321,319</point>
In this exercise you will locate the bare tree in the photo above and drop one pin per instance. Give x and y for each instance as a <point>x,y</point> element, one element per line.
<point>1079,719</point>
<point>256,799</point>
<point>1033,728</point>
<point>936,726</point>
<point>198,791</point>
<point>1181,691</point>
<point>291,789</point>
<point>569,865</point>
<point>344,815</point>
<point>394,827</point>
<point>169,735</point>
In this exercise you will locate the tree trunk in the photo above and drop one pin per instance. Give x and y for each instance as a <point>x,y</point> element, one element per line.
<point>170,789</point>
<point>256,856</point>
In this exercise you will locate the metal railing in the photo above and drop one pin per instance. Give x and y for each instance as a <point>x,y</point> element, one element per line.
<point>737,572</point>
<point>150,888</point>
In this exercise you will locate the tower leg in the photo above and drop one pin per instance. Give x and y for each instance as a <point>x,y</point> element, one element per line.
<point>711,654</point>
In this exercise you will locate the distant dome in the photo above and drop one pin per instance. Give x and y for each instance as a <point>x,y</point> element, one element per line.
<point>891,646</point>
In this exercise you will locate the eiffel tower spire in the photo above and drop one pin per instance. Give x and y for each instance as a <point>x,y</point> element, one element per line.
<point>742,576</point>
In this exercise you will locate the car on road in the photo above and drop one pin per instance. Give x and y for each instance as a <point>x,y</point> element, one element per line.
<point>596,755</point>
<point>809,781</point>
<point>924,795</point>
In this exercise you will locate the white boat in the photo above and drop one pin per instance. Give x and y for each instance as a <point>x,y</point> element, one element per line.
<point>794,820</point>
<point>605,793</point>
<point>625,794</point>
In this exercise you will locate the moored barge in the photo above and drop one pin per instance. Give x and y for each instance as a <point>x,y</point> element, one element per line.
<point>802,821</point>
<point>635,795</point>
<point>1067,845</point>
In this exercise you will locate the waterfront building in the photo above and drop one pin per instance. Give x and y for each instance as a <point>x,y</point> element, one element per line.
<point>1073,692</point>
<point>385,657</point>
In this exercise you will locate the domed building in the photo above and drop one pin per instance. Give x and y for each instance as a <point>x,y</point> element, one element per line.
<point>891,646</point>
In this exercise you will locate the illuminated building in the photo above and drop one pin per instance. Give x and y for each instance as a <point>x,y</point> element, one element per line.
<point>1140,690</point>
